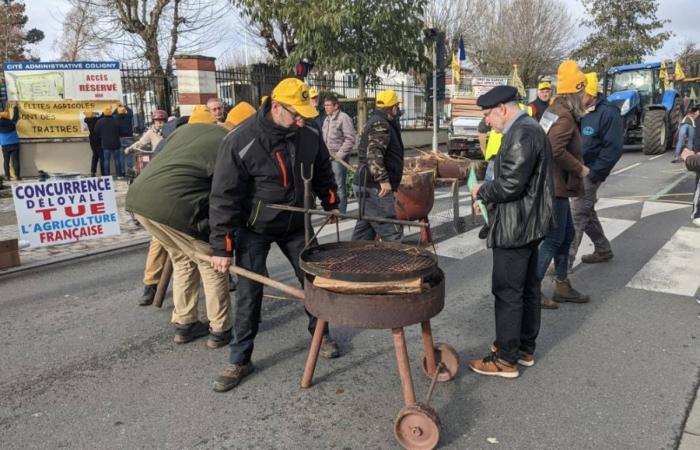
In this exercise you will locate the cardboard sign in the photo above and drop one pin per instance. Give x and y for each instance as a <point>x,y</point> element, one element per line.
<point>62,211</point>
<point>481,85</point>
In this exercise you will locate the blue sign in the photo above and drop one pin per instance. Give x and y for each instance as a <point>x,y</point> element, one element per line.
<point>61,65</point>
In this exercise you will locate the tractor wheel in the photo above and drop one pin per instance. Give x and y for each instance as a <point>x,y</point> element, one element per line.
<point>674,121</point>
<point>654,132</point>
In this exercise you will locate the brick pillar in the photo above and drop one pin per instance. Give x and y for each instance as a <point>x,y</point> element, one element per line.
<point>196,81</point>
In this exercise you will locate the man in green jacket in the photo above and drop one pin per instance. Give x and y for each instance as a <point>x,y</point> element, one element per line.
<point>171,200</point>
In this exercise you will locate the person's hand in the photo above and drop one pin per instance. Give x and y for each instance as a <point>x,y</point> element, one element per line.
<point>333,219</point>
<point>385,188</point>
<point>127,150</point>
<point>686,152</point>
<point>475,190</point>
<point>585,171</point>
<point>220,263</point>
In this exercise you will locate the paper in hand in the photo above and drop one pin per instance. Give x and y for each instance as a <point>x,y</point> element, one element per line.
<point>471,181</point>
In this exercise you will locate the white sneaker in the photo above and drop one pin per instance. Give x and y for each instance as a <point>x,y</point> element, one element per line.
<point>696,222</point>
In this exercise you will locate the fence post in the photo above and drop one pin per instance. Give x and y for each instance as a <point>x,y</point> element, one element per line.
<point>196,81</point>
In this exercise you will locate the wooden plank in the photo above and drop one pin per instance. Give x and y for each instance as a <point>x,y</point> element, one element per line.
<point>412,286</point>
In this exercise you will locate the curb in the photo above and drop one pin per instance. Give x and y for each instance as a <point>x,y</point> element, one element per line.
<point>62,259</point>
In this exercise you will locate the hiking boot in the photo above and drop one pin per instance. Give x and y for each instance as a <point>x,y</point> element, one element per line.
<point>547,302</point>
<point>231,376</point>
<point>597,257</point>
<point>563,292</point>
<point>190,332</point>
<point>484,232</point>
<point>149,292</point>
<point>526,359</point>
<point>218,339</point>
<point>494,366</point>
<point>329,349</point>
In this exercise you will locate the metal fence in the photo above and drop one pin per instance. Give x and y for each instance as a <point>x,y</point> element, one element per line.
<point>144,93</point>
<point>251,84</point>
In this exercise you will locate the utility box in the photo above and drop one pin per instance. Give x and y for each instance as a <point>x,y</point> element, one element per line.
<point>9,254</point>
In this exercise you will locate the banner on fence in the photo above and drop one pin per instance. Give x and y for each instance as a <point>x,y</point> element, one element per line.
<point>481,85</point>
<point>62,211</point>
<point>53,95</point>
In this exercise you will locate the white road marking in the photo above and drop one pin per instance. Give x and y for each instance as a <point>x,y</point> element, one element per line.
<point>651,208</point>
<point>655,157</point>
<point>673,269</point>
<point>604,203</point>
<point>624,169</point>
<point>612,228</point>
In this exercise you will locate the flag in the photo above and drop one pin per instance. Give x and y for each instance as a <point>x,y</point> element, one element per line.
<point>678,73</point>
<point>455,70</point>
<point>517,82</point>
<point>693,95</point>
<point>663,74</point>
<point>462,52</point>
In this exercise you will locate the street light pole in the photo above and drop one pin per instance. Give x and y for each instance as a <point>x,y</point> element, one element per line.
<point>435,112</point>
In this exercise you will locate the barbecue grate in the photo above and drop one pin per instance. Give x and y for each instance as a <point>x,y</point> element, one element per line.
<point>368,261</point>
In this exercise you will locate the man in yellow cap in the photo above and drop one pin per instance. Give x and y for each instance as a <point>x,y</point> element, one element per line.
<point>260,163</point>
<point>561,123</point>
<point>380,169</point>
<point>107,131</point>
<point>603,139</point>
<point>315,100</point>
<point>541,103</point>
<point>170,199</point>
<point>238,114</point>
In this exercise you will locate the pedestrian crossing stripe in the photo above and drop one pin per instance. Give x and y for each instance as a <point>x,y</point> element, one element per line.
<point>674,268</point>
<point>651,208</point>
<point>612,229</point>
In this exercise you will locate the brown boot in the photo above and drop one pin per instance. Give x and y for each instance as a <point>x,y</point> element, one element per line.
<point>563,292</point>
<point>547,302</point>
<point>596,257</point>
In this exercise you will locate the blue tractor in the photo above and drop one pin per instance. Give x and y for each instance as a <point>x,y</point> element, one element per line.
<point>651,112</point>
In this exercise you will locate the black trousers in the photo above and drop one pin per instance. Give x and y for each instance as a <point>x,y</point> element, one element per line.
<point>516,287</point>
<point>251,253</point>
<point>10,151</point>
<point>96,159</point>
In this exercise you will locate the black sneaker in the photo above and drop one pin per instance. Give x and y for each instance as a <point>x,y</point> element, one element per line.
<point>190,332</point>
<point>218,339</point>
<point>149,292</point>
<point>231,376</point>
<point>484,232</point>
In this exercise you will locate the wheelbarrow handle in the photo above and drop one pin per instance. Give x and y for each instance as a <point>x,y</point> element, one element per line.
<point>294,292</point>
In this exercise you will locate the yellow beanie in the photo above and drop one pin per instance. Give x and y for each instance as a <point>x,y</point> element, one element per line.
<point>4,114</point>
<point>570,79</point>
<point>592,84</point>
<point>107,111</point>
<point>121,110</point>
<point>88,114</point>
<point>201,114</point>
<point>239,113</point>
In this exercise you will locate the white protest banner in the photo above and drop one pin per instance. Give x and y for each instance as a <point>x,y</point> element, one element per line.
<point>61,211</point>
<point>481,85</point>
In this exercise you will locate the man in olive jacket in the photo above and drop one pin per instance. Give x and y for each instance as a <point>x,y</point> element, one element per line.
<point>171,200</point>
<point>521,193</point>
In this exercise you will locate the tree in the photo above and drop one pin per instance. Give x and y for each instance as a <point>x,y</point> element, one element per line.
<point>623,33</point>
<point>689,57</point>
<point>271,21</point>
<point>533,34</point>
<point>77,42</point>
<point>457,18</point>
<point>362,36</point>
<point>12,35</point>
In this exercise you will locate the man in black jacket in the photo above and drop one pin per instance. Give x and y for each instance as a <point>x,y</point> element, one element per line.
<point>107,131</point>
<point>262,163</point>
<point>692,163</point>
<point>91,120</point>
<point>603,139</point>
<point>522,196</point>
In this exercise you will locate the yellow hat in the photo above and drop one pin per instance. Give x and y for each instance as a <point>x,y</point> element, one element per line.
<point>4,114</point>
<point>107,111</point>
<point>544,84</point>
<point>239,113</point>
<point>570,79</point>
<point>592,84</point>
<point>313,93</point>
<point>89,114</point>
<point>387,99</point>
<point>263,99</point>
<point>295,93</point>
<point>201,114</point>
<point>121,110</point>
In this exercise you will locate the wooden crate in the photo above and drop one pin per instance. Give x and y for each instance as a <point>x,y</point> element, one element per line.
<point>9,254</point>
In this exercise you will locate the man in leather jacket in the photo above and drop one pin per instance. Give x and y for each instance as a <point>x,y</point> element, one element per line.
<point>521,194</point>
<point>262,163</point>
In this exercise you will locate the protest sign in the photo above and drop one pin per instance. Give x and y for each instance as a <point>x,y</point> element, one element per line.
<point>481,85</point>
<point>62,211</point>
<point>52,96</point>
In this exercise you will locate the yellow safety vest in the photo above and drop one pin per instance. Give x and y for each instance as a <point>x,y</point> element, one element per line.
<point>494,140</point>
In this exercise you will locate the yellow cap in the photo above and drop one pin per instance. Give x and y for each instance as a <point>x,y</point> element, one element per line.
<point>263,99</point>
<point>107,111</point>
<point>313,93</point>
<point>201,114</point>
<point>544,84</point>
<point>4,114</point>
<point>295,93</point>
<point>88,114</point>
<point>121,110</point>
<point>239,113</point>
<point>592,84</point>
<point>570,79</point>
<point>387,99</point>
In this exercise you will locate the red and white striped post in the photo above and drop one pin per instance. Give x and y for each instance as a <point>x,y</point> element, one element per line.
<point>196,81</point>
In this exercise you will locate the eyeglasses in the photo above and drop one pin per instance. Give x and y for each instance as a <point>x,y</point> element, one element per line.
<point>294,114</point>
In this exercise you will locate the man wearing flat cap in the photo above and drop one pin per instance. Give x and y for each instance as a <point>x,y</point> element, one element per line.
<point>521,196</point>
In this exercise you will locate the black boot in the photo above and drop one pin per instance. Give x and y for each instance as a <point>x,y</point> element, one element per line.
<point>149,292</point>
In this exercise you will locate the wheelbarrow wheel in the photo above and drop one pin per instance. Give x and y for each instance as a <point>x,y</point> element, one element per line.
<point>450,360</point>
<point>417,427</point>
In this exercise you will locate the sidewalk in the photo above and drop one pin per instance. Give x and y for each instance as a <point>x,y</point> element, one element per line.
<point>131,235</point>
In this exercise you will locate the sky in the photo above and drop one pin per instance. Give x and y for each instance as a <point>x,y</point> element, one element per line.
<point>684,16</point>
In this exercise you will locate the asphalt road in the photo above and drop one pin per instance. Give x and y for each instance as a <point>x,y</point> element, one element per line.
<point>83,367</point>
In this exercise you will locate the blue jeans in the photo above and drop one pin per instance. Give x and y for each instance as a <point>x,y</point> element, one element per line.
<point>557,241</point>
<point>128,159</point>
<point>374,206</point>
<point>686,134</point>
<point>106,155</point>
<point>341,173</point>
